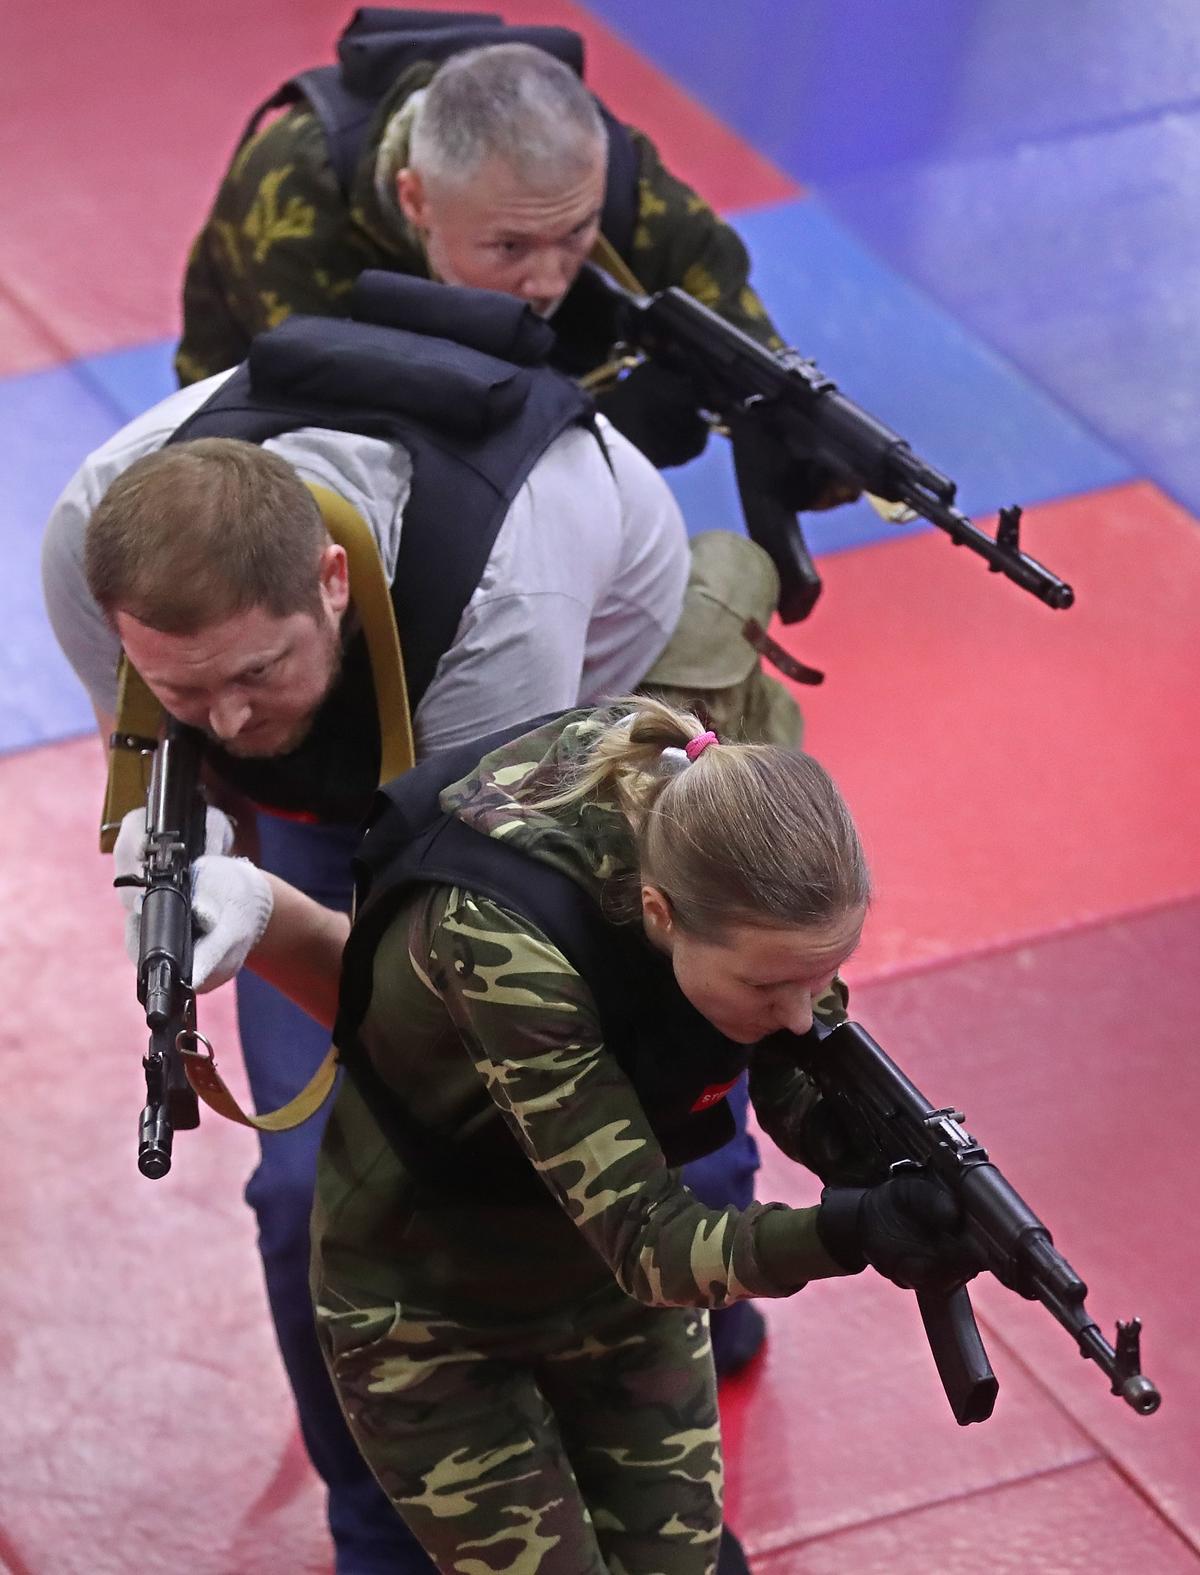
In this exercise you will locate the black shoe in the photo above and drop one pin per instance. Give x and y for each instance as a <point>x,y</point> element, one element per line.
<point>732,1558</point>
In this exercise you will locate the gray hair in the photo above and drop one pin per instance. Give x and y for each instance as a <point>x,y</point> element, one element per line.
<point>510,102</point>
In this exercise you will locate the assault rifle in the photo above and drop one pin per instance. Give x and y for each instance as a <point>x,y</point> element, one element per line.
<point>777,404</point>
<point>891,1125</point>
<point>174,839</point>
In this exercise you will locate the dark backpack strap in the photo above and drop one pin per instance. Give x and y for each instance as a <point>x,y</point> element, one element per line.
<point>407,833</point>
<point>619,218</point>
<point>406,830</point>
<point>343,114</point>
<point>402,809</point>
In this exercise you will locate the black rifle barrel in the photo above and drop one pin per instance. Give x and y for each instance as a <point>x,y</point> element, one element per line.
<point>174,837</point>
<point>734,373</point>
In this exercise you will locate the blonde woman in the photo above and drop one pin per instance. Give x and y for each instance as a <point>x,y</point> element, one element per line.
<point>568,947</point>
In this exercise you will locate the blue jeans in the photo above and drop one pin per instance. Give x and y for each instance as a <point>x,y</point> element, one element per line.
<point>283,1047</point>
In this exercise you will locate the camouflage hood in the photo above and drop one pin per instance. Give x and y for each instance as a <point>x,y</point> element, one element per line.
<point>590,841</point>
<point>373,199</point>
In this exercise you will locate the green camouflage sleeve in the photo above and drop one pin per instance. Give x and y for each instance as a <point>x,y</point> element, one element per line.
<point>782,1097</point>
<point>530,1026</point>
<point>280,239</point>
<point>679,240</point>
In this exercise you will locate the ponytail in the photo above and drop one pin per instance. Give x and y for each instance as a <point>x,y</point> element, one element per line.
<point>740,833</point>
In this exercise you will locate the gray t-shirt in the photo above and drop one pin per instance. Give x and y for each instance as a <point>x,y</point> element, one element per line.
<point>582,589</point>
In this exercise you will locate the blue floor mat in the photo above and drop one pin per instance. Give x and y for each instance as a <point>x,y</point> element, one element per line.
<point>961,407</point>
<point>48,422</point>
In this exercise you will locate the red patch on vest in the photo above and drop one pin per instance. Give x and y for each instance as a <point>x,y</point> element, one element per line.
<point>713,1095</point>
<point>302,817</point>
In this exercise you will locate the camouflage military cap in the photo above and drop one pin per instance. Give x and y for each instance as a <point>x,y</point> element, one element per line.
<point>732,581</point>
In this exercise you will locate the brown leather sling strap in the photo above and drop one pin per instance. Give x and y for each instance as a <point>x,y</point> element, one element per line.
<point>138,724</point>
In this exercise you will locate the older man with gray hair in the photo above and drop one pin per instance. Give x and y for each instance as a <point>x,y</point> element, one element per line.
<point>505,173</point>
<point>494,167</point>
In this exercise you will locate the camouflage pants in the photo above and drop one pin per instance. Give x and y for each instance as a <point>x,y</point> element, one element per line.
<point>584,1446</point>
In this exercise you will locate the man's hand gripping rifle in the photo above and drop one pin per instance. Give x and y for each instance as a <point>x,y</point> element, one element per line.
<point>175,812</point>
<point>889,1125</point>
<point>781,409</point>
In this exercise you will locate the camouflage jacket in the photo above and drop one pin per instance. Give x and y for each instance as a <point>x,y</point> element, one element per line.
<point>282,238</point>
<point>466,992</point>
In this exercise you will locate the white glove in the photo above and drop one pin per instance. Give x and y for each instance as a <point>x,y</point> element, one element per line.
<point>231,898</point>
<point>231,905</point>
<point>129,853</point>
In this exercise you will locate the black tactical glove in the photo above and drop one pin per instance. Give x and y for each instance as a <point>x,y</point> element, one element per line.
<point>655,409</point>
<point>807,485</point>
<point>801,480</point>
<point>826,1145</point>
<point>908,1229</point>
<point>797,480</point>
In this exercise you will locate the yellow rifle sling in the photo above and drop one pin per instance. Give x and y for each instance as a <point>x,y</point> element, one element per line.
<point>133,740</point>
<point>604,377</point>
<point>202,1074</point>
<point>372,597</point>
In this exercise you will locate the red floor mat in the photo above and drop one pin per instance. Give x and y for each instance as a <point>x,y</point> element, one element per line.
<point>1085,1520</point>
<point>1015,770</point>
<point>1074,1061</point>
<point>146,1422</point>
<point>158,96</point>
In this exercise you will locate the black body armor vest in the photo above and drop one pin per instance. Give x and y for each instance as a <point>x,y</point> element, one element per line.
<point>679,1065</point>
<point>455,376</point>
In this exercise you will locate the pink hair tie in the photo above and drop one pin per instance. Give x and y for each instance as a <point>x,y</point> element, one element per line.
<point>695,747</point>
